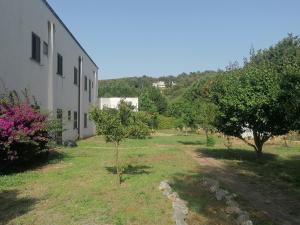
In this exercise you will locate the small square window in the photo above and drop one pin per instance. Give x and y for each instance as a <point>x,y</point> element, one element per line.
<point>45,48</point>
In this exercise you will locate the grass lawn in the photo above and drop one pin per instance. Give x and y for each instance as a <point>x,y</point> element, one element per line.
<point>78,186</point>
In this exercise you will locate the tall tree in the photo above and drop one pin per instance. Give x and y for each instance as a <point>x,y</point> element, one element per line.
<point>250,98</point>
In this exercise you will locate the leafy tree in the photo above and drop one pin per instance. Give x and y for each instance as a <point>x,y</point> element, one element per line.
<point>109,124</point>
<point>290,98</point>
<point>116,125</point>
<point>159,100</point>
<point>146,104</point>
<point>206,116</point>
<point>250,98</point>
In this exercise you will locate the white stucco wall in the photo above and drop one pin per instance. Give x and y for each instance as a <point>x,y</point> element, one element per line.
<point>18,19</point>
<point>114,102</point>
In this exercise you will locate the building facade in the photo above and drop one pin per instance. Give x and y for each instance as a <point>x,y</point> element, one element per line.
<point>114,102</point>
<point>40,54</point>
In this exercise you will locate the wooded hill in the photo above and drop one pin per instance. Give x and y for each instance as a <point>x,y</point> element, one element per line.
<point>134,86</point>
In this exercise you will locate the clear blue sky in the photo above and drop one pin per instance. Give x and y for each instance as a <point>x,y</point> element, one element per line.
<point>168,37</point>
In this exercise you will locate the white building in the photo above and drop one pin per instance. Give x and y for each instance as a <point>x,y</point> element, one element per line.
<point>159,84</point>
<point>114,102</point>
<point>39,53</point>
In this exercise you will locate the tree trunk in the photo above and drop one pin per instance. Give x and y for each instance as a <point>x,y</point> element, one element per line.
<point>117,164</point>
<point>259,141</point>
<point>206,134</point>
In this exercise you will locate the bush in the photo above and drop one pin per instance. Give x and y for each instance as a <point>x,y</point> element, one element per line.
<point>165,122</point>
<point>138,130</point>
<point>23,131</point>
<point>210,142</point>
<point>139,126</point>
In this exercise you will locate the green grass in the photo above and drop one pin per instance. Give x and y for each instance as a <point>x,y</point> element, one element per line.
<point>78,186</point>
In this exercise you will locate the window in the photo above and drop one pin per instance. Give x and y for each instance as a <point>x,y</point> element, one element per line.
<point>35,47</point>
<point>45,48</point>
<point>85,120</point>
<point>75,124</point>
<point>69,115</point>
<point>85,83</point>
<point>75,76</point>
<point>59,64</point>
<point>92,84</point>
<point>90,90</point>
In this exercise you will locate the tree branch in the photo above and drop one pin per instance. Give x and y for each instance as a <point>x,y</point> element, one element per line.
<point>247,142</point>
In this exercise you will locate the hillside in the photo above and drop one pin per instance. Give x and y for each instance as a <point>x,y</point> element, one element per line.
<point>134,86</point>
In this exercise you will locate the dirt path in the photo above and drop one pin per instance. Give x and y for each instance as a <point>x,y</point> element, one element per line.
<point>281,209</point>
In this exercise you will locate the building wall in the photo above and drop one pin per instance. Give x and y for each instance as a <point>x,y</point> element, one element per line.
<point>18,19</point>
<point>113,102</point>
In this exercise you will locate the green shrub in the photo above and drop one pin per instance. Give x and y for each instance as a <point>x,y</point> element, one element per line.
<point>210,142</point>
<point>138,130</point>
<point>165,122</point>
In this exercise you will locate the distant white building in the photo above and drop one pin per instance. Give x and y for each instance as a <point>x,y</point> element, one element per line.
<point>247,134</point>
<point>114,102</point>
<point>159,84</point>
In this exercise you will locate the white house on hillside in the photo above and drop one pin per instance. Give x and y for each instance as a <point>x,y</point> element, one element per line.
<point>114,102</point>
<point>39,53</point>
<point>159,84</point>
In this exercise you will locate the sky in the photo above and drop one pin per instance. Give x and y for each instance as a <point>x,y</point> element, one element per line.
<point>168,37</point>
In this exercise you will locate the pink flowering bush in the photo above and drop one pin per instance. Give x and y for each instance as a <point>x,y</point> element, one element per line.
<point>23,131</point>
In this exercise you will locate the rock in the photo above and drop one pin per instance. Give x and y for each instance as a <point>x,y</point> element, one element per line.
<point>220,194</point>
<point>232,203</point>
<point>164,185</point>
<point>180,205</point>
<point>167,192</point>
<point>248,222</point>
<point>179,217</point>
<point>173,196</point>
<point>268,202</point>
<point>229,196</point>
<point>233,210</point>
<point>242,218</point>
<point>70,144</point>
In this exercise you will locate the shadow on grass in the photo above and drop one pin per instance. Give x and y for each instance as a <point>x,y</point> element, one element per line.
<point>130,170</point>
<point>237,154</point>
<point>42,159</point>
<point>12,206</point>
<point>192,142</point>
<point>270,167</point>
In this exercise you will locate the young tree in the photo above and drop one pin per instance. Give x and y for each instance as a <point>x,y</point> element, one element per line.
<point>108,123</point>
<point>116,125</point>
